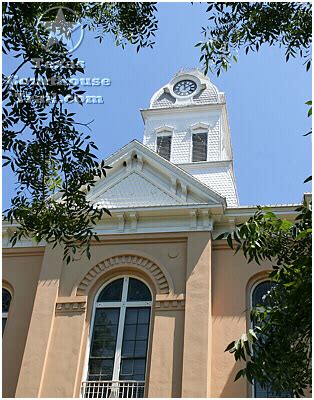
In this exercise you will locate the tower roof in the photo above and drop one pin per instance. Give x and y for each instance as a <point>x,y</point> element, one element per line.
<point>205,91</point>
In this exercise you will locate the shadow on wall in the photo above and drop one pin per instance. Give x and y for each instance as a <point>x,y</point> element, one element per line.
<point>177,356</point>
<point>236,389</point>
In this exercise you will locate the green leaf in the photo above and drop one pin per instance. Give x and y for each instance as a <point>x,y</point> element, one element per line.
<point>239,374</point>
<point>230,346</point>
<point>221,236</point>
<point>308,179</point>
<point>252,334</point>
<point>229,241</point>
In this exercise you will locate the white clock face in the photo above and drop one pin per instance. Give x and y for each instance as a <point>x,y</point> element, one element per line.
<point>184,87</point>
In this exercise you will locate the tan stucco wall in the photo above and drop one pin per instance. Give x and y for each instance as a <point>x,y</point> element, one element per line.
<point>20,272</point>
<point>191,326</point>
<point>232,280</point>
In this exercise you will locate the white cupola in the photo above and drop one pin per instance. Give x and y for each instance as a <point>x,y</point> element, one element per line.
<point>187,124</point>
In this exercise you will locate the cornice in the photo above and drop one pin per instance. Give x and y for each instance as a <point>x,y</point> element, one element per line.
<point>71,304</point>
<point>173,302</point>
<point>23,251</point>
<point>77,304</point>
<point>181,109</point>
<point>201,164</point>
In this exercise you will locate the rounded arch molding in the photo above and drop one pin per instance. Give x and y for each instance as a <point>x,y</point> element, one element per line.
<point>158,274</point>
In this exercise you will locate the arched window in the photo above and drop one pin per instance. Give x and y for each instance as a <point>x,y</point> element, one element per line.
<point>258,299</point>
<point>6,300</point>
<point>119,340</point>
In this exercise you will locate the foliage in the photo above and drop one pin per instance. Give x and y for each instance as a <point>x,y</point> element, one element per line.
<point>43,143</point>
<point>278,350</point>
<point>250,25</point>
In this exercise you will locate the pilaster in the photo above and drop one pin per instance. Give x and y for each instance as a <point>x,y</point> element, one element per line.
<point>197,327</point>
<point>41,324</point>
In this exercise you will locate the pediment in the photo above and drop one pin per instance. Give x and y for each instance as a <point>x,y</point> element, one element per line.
<point>134,190</point>
<point>139,177</point>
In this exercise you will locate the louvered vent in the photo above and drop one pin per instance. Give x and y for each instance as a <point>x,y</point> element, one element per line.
<point>199,151</point>
<point>164,146</point>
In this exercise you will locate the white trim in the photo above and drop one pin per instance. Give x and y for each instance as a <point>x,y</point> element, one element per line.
<point>164,129</point>
<point>123,304</point>
<point>199,126</point>
<point>180,109</point>
<point>122,307</point>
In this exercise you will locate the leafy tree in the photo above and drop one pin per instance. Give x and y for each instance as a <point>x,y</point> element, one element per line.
<point>55,167</point>
<point>44,144</point>
<point>277,351</point>
<point>249,26</point>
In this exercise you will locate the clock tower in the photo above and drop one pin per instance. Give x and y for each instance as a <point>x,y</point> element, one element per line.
<point>187,123</point>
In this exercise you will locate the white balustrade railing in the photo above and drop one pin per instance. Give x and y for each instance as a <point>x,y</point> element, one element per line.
<point>112,389</point>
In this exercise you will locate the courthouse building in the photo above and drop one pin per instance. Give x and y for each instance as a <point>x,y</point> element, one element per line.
<point>151,313</point>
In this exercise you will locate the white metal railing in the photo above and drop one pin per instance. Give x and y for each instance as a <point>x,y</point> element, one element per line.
<point>112,389</point>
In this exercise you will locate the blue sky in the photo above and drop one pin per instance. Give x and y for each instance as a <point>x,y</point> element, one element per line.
<point>265,100</point>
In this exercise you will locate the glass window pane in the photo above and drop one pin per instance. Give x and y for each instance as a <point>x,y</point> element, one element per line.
<point>103,349</point>
<point>139,366</point>
<point>103,346</point>
<point>127,367</point>
<point>164,146</point>
<point>134,352</point>
<point>6,300</point>
<point>199,150</point>
<point>108,316</point>
<point>137,377</point>
<point>112,292</point>
<point>105,332</point>
<point>140,348</point>
<point>128,348</point>
<point>100,369</point>
<point>138,291</point>
<point>142,332</point>
<point>97,349</point>
<point>143,315</point>
<point>130,332</point>
<point>4,320</point>
<point>131,316</point>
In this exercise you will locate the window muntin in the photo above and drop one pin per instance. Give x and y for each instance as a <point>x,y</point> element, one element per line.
<point>199,147</point>
<point>164,146</point>
<point>258,299</point>
<point>118,349</point>
<point>6,301</point>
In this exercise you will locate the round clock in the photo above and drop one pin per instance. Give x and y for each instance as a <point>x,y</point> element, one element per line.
<point>184,87</point>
